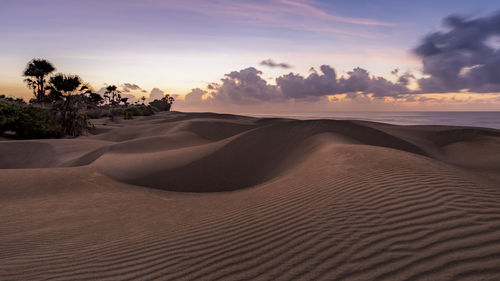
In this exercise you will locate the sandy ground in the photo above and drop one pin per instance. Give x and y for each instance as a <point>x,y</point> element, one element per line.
<point>191,196</point>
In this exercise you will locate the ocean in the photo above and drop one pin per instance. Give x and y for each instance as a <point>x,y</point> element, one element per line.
<point>488,119</point>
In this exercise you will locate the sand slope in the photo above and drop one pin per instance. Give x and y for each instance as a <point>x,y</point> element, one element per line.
<point>220,197</point>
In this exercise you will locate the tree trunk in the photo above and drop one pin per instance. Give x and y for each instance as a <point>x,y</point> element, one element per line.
<point>39,89</point>
<point>42,90</point>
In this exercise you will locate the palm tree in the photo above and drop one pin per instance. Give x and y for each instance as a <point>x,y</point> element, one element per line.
<point>125,101</point>
<point>31,84</point>
<point>168,99</point>
<point>112,94</point>
<point>143,99</point>
<point>67,106</point>
<point>94,98</point>
<point>37,69</point>
<point>65,85</point>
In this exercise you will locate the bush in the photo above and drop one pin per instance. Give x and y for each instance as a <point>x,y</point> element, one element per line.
<point>161,105</point>
<point>28,121</point>
<point>137,110</point>
<point>128,113</point>
<point>9,113</point>
<point>145,110</point>
<point>70,114</point>
<point>95,113</point>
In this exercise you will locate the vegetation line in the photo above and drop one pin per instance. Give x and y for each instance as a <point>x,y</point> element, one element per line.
<point>63,104</point>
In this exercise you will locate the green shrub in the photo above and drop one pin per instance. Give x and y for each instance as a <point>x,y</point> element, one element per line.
<point>145,110</point>
<point>127,114</point>
<point>136,110</point>
<point>95,113</point>
<point>69,112</point>
<point>8,115</point>
<point>28,121</point>
<point>161,105</point>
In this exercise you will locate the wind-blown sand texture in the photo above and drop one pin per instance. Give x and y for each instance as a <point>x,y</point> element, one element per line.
<point>180,196</point>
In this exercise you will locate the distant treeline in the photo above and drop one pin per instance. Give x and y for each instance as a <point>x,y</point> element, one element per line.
<point>63,104</point>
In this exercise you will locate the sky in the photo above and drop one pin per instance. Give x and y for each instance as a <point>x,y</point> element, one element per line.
<point>265,56</point>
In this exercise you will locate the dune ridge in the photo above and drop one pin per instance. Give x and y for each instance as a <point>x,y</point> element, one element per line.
<point>182,196</point>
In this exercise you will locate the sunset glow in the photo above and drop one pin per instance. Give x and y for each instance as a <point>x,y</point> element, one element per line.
<point>177,46</point>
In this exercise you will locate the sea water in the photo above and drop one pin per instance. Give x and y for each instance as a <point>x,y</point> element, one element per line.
<point>488,119</point>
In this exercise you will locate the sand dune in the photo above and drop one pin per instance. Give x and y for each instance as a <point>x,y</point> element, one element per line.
<point>202,196</point>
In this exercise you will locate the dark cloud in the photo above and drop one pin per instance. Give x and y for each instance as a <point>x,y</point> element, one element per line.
<point>405,78</point>
<point>461,58</point>
<point>428,99</point>
<point>271,63</point>
<point>127,87</point>
<point>245,86</point>
<point>212,86</point>
<point>296,86</point>
<point>358,81</point>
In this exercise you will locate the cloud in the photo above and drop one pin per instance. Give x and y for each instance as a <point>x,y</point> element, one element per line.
<point>307,7</point>
<point>156,94</point>
<point>271,63</point>
<point>195,97</point>
<point>244,87</point>
<point>292,14</point>
<point>296,86</point>
<point>130,97</point>
<point>357,81</point>
<point>248,87</point>
<point>461,58</point>
<point>405,78</point>
<point>127,87</point>
<point>102,90</point>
